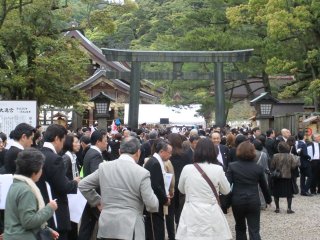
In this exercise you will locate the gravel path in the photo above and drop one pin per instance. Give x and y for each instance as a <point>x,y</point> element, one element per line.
<point>304,224</point>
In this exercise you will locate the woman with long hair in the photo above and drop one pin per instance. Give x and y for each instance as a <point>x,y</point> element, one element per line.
<point>202,217</point>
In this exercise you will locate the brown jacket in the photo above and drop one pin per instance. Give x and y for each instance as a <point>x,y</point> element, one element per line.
<point>284,162</point>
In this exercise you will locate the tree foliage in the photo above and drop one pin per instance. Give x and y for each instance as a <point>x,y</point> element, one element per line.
<point>36,61</point>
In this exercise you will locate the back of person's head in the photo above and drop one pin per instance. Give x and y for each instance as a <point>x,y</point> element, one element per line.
<point>162,132</point>
<point>193,138</point>
<point>246,151</point>
<point>20,129</point>
<point>175,141</point>
<point>205,151</point>
<point>97,136</point>
<point>3,136</point>
<point>53,131</point>
<point>153,135</point>
<point>257,144</point>
<point>300,135</point>
<point>239,139</point>
<point>269,132</point>
<point>262,138</point>
<point>29,161</point>
<point>291,141</point>
<point>283,147</point>
<point>130,145</point>
<point>85,139</point>
<point>230,140</point>
<point>118,136</point>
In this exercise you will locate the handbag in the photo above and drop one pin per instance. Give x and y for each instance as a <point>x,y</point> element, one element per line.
<point>44,234</point>
<point>275,174</point>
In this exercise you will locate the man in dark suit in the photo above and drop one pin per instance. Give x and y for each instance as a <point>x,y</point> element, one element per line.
<point>255,132</point>
<point>270,143</point>
<point>193,143</point>
<point>305,167</point>
<point>155,221</point>
<point>146,147</point>
<point>54,173</point>
<point>91,162</point>
<point>22,136</point>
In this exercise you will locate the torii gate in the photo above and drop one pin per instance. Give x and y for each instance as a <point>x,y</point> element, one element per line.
<point>177,58</point>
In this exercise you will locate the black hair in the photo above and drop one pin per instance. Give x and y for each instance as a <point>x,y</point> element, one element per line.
<point>269,132</point>
<point>29,161</point>
<point>85,139</point>
<point>53,131</point>
<point>22,128</point>
<point>3,136</point>
<point>97,136</point>
<point>205,152</point>
<point>194,138</point>
<point>257,144</point>
<point>68,143</point>
<point>300,135</point>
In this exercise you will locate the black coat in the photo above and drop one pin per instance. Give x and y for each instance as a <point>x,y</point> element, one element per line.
<point>304,157</point>
<point>245,177</point>
<point>157,182</point>
<point>145,151</point>
<point>271,147</point>
<point>54,173</point>
<point>225,154</point>
<point>10,159</point>
<point>91,161</point>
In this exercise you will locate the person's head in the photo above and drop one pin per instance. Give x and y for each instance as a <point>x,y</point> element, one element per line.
<point>29,163</point>
<point>216,138</point>
<point>84,141</point>
<point>285,133</point>
<point>300,135</point>
<point>262,139</point>
<point>71,144</point>
<point>153,135</point>
<point>3,141</point>
<point>193,132</point>
<point>230,140</point>
<point>194,139</point>
<point>126,133</point>
<point>283,147</point>
<point>256,131</point>
<point>23,133</point>
<point>86,132</point>
<point>131,145</point>
<point>205,151</point>
<point>257,144</point>
<point>316,137</point>
<point>55,134</point>
<point>291,141</point>
<point>246,151</point>
<point>270,133</point>
<point>175,141</point>
<point>164,149</point>
<point>99,139</point>
<point>239,139</point>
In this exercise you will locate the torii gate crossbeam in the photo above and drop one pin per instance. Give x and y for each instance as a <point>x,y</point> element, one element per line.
<point>177,58</point>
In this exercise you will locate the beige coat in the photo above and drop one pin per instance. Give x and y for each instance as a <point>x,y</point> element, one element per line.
<point>125,188</point>
<point>284,162</point>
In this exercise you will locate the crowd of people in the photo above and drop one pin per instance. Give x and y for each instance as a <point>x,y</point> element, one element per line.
<point>140,183</point>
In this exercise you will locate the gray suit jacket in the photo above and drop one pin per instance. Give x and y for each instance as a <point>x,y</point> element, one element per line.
<point>125,188</point>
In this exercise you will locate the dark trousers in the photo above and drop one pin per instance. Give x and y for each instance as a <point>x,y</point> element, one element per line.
<point>315,168</point>
<point>73,233</point>
<point>305,178</point>
<point>179,200</point>
<point>251,213</point>
<point>63,235</point>
<point>155,226</point>
<point>170,221</point>
<point>88,221</point>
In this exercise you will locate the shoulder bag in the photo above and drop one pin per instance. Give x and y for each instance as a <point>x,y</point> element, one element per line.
<point>205,176</point>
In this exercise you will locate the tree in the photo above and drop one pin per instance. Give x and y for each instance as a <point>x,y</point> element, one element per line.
<point>290,36</point>
<point>36,61</point>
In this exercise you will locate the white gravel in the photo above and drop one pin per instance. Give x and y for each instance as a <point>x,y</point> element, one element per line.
<point>304,224</point>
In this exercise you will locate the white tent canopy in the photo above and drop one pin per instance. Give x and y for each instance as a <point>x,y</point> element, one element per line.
<point>151,114</point>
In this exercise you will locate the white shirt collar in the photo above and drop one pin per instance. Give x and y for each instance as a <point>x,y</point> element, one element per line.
<point>126,157</point>
<point>96,148</point>
<point>157,156</point>
<point>17,145</point>
<point>50,146</point>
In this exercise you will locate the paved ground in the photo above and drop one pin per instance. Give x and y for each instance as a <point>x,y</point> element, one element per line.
<point>304,224</point>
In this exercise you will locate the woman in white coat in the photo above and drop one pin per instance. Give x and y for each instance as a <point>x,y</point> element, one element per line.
<point>202,217</point>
